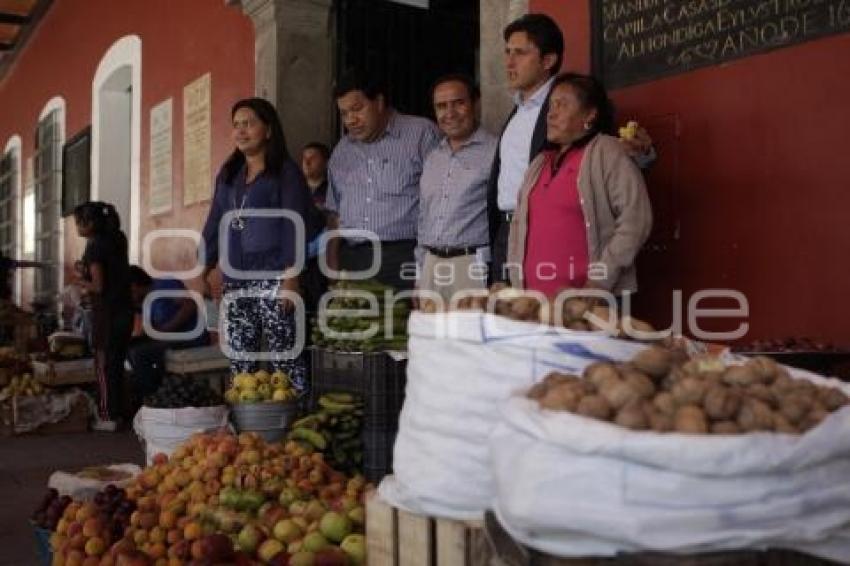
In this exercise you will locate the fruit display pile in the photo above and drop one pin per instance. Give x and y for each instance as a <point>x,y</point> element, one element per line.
<point>85,529</point>
<point>574,313</point>
<point>259,387</point>
<point>224,499</point>
<point>51,509</point>
<point>22,386</point>
<point>178,392</point>
<point>663,391</point>
<point>387,318</point>
<point>334,430</point>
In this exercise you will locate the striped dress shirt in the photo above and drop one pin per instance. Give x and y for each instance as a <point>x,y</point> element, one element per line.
<point>375,186</point>
<point>453,205</point>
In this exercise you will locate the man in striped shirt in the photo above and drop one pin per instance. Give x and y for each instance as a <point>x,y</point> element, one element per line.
<point>453,227</point>
<point>373,182</point>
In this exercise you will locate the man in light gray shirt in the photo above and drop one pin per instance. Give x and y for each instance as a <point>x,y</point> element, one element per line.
<point>453,233</point>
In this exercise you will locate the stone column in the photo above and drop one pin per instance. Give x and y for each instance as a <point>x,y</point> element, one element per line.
<point>496,102</point>
<point>294,65</point>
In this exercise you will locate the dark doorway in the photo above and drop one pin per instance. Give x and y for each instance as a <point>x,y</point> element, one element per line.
<point>409,47</point>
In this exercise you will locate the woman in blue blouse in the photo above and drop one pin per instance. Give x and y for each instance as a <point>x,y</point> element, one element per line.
<point>259,174</point>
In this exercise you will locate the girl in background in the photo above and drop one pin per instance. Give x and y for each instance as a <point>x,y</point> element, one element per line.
<point>106,291</point>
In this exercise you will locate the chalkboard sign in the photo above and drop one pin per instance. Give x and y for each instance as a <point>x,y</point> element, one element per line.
<point>639,40</point>
<point>76,171</point>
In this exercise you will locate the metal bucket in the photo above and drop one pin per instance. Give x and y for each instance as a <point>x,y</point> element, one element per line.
<point>268,419</point>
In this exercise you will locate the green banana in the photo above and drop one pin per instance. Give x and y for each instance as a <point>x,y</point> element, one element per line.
<point>313,437</point>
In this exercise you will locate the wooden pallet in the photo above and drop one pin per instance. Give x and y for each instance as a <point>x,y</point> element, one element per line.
<point>397,538</point>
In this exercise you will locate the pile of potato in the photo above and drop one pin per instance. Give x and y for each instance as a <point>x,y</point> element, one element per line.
<point>573,313</point>
<point>664,391</point>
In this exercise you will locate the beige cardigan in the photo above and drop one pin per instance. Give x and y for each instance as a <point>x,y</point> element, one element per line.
<point>616,209</point>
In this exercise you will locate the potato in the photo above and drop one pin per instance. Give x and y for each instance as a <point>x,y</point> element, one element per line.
<point>525,308</point>
<point>598,373</point>
<point>832,398</point>
<point>574,309</point>
<point>814,417</point>
<point>764,368</point>
<point>557,378</point>
<point>754,415</point>
<point>690,419</point>
<point>725,427</point>
<point>562,397</point>
<point>606,322</point>
<point>632,416</point>
<point>802,386</point>
<point>741,375</point>
<point>660,422</point>
<point>689,391</point>
<point>537,391</point>
<point>427,306</point>
<point>665,403</point>
<point>464,303</point>
<point>594,406</point>
<point>795,406</point>
<point>781,424</point>
<point>763,393</point>
<point>619,393</point>
<point>640,382</point>
<point>579,326</point>
<point>721,402</point>
<point>654,361</point>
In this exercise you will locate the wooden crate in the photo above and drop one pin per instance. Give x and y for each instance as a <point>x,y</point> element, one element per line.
<point>72,372</point>
<point>397,538</point>
<point>508,552</point>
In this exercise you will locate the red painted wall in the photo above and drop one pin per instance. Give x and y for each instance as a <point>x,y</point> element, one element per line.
<point>180,42</point>
<point>753,171</point>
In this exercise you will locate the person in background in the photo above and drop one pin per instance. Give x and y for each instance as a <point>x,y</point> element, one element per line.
<point>583,212</point>
<point>534,50</point>
<point>453,200</point>
<point>373,180</point>
<point>314,165</point>
<point>106,291</point>
<point>164,314</point>
<point>259,174</point>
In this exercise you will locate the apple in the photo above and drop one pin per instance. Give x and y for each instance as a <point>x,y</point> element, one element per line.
<point>331,556</point>
<point>269,548</point>
<point>355,547</point>
<point>217,548</point>
<point>358,515</point>
<point>335,526</point>
<point>315,542</point>
<point>302,558</point>
<point>287,531</point>
<point>250,538</point>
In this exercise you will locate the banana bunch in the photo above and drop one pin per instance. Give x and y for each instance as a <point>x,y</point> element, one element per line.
<point>22,386</point>
<point>334,430</point>
<point>390,318</point>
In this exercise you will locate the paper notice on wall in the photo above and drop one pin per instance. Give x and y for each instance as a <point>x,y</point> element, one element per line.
<point>197,184</point>
<point>161,158</point>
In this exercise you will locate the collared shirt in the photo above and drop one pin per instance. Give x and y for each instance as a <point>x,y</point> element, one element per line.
<point>453,205</point>
<point>515,147</point>
<point>375,186</point>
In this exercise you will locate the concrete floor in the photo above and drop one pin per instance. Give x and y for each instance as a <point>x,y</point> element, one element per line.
<point>26,463</point>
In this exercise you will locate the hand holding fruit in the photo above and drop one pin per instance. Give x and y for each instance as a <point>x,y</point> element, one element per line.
<point>635,139</point>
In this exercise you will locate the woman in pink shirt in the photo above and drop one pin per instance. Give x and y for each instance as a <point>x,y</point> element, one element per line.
<point>583,212</point>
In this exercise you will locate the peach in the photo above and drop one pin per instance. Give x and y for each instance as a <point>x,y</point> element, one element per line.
<point>95,546</point>
<point>192,531</point>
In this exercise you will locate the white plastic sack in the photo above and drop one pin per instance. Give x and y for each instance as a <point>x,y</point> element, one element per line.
<point>163,430</point>
<point>86,488</point>
<point>462,366</point>
<point>574,486</point>
<point>33,412</point>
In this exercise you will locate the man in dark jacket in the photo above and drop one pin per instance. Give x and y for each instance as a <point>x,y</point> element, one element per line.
<point>534,49</point>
